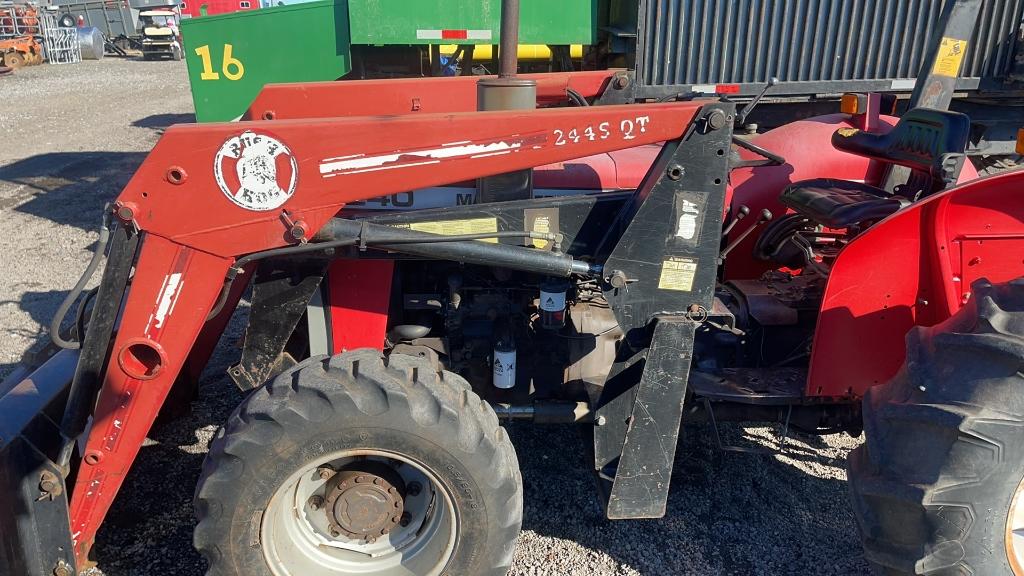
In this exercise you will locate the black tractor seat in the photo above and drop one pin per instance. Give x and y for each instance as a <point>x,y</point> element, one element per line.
<point>931,143</point>
<point>840,203</point>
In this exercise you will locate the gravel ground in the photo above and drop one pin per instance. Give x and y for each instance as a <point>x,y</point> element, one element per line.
<point>73,140</point>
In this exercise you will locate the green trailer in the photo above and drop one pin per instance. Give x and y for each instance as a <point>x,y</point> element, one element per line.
<point>231,56</point>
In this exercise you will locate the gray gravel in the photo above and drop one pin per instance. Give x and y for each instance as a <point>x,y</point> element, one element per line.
<point>72,142</point>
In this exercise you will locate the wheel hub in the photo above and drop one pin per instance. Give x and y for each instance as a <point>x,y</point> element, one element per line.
<point>365,500</point>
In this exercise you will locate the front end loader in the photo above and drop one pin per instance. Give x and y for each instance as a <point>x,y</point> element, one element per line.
<point>383,349</point>
<point>179,257</point>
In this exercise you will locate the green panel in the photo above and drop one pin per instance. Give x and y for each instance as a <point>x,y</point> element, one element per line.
<point>297,43</point>
<point>540,21</point>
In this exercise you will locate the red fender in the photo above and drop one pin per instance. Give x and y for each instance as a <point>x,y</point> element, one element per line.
<point>914,268</point>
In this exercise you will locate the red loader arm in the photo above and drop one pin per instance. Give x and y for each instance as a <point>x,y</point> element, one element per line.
<point>406,95</point>
<point>208,194</point>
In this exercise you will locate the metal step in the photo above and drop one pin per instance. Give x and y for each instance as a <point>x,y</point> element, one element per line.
<point>766,386</point>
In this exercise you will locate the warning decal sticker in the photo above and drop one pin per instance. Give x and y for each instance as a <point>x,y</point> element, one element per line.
<point>458,227</point>
<point>951,54</point>
<point>677,274</point>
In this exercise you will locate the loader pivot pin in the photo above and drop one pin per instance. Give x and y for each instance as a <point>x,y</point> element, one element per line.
<point>365,500</point>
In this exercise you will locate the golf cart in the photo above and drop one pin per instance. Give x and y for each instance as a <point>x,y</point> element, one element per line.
<point>160,36</point>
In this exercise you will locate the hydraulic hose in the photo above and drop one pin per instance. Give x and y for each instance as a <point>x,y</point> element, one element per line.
<point>458,248</point>
<point>358,236</point>
<point>576,98</point>
<point>240,264</point>
<point>94,262</point>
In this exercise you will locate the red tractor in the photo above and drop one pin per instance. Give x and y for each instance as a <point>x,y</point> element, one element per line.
<point>838,274</point>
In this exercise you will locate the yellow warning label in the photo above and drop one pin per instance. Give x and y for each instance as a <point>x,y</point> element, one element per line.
<point>677,274</point>
<point>541,224</point>
<point>951,54</point>
<point>458,227</point>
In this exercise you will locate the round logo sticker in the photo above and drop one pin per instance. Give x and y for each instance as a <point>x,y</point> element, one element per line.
<point>256,171</point>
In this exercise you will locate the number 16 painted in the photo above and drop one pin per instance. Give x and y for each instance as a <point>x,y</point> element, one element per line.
<point>232,67</point>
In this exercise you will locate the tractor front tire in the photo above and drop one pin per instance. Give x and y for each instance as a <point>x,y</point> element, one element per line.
<point>938,485</point>
<point>360,464</point>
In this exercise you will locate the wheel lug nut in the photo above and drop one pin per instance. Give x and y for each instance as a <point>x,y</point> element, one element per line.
<point>335,532</point>
<point>325,472</point>
<point>316,502</point>
<point>360,479</point>
<point>414,489</point>
<point>406,518</point>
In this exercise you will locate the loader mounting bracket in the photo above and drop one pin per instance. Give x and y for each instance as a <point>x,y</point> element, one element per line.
<point>280,292</point>
<point>660,281</point>
<point>640,481</point>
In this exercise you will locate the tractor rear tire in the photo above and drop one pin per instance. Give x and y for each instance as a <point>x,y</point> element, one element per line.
<point>361,405</point>
<point>938,485</point>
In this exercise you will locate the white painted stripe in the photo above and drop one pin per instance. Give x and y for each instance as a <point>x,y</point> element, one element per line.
<point>359,164</point>
<point>705,88</point>
<point>428,34</point>
<point>486,154</point>
<point>168,297</point>
<point>478,34</point>
<point>380,168</point>
<point>903,84</point>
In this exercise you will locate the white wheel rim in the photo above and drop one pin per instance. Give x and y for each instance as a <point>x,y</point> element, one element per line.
<point>296,541</point>
<point>1015,531</point>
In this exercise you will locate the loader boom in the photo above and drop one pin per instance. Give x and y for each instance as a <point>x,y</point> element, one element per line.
<point>207,195</point>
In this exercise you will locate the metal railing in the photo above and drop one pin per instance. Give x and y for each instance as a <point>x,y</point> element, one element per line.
<point>59,43</point>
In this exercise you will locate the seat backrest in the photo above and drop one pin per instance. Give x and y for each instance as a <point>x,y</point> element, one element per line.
<point>930,142</point>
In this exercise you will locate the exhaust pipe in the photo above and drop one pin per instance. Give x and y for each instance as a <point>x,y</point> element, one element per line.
<point>507,92</point>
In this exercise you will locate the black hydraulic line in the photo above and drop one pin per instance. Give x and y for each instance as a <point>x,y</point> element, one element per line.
<point>83,305</point>
<point>481,236</point>
<point>94,262</point>
<point>576,98</point>
<point>399,240</point>
<point>462,248</point>
<point>95,347</point>
<point>241,263</point>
